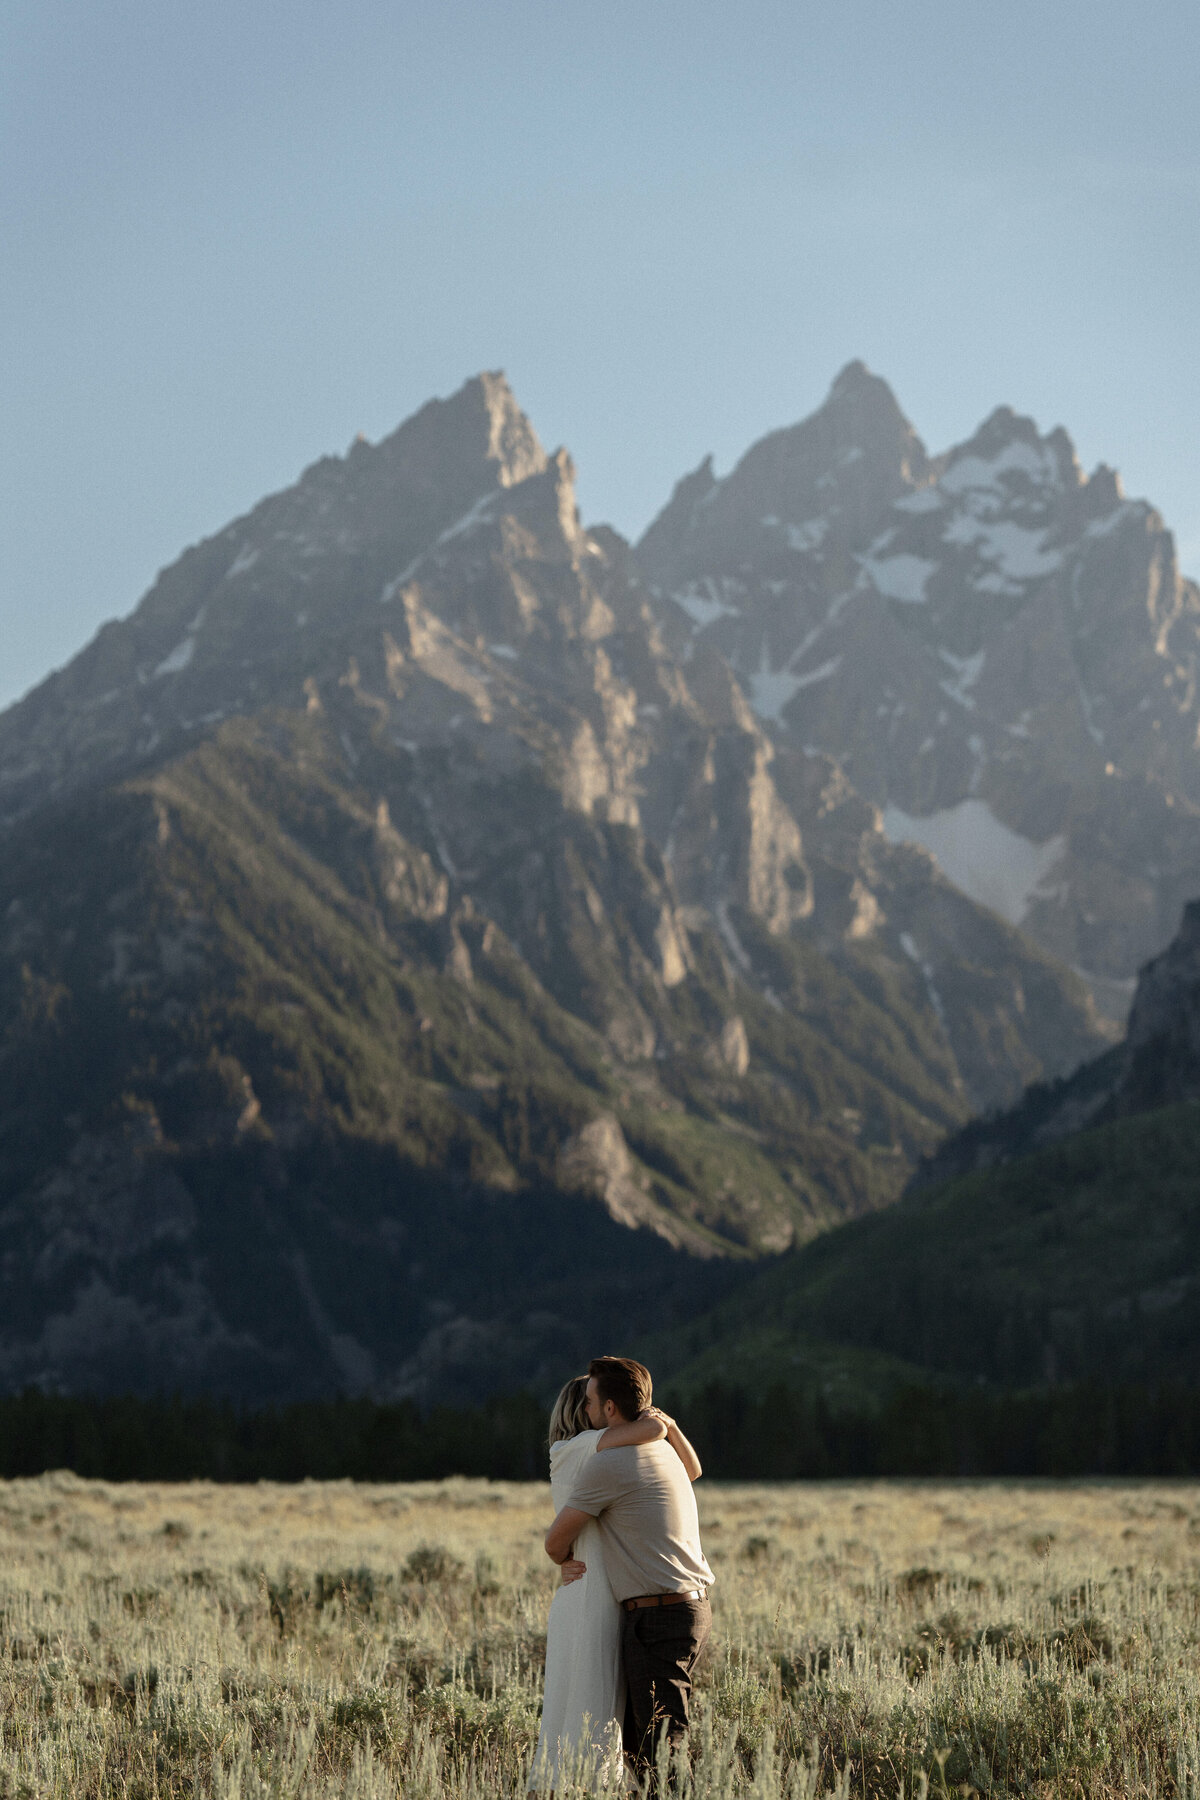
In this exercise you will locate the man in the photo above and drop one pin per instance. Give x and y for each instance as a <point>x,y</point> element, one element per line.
<point>641,1498</point>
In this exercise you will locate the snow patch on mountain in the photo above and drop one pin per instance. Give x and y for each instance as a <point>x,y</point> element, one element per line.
<point>1101,527</point>
<point>991,863</point>
<point>178,660</point>
<point>474,516</point>
<point>770,691</point>
<point>970,472</point>
<point>966,671</point>
<point>245,559</point>
<point>909,946</point>
<point>703,609</point>
<point>1015,552</point>
<point>901,577</point>
<point>732,941</point>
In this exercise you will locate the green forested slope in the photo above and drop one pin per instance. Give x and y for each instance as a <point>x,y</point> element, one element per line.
<point>266,1123</point>
<point>1081,1262</point>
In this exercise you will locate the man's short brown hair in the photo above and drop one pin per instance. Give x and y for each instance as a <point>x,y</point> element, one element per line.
<point>625,1382</point>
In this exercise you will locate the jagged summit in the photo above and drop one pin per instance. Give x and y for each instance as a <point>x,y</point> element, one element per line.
<point>665,538</point>
<point>1105,488</point>
<point>859,421</point>
<point>999,651</point>
<point>251,613</point>
<point>1012,452</point>
<point>866,403</point>
<point>481,420</point>
<point>854,375</point>
<point>830,474</point>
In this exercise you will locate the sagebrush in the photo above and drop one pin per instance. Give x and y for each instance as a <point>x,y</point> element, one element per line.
<point>871,1639</point>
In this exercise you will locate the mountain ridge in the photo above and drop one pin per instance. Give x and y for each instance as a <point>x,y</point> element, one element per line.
<point>411,884</point>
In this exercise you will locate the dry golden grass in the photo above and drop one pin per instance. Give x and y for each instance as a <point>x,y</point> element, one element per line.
<point>327,1639</point>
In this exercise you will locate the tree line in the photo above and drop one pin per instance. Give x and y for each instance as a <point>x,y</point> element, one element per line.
<point>1076,1430</point>
<point>779,1433</point>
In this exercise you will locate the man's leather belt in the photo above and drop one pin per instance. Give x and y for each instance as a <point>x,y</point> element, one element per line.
<point>661,1599</point>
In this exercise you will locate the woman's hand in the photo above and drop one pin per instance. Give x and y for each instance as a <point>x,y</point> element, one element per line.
<point>572,1570</point>
<point>678,1442</point>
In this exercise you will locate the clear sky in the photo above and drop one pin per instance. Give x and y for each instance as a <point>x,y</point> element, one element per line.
<point>237,232</point>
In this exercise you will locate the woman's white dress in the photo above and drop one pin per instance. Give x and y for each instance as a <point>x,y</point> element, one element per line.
<point>585,1691</point>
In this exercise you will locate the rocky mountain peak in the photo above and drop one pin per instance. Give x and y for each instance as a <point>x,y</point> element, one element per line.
<point>1105,491</point>
<point>512,441</point>
<point>867,411</point>
<point>1011,457</point>
<point>826,481</point>
<point>548,500</point>
<point>854,377</point>
<point>856,450</point>
<point>480,427</point>
<point>1000,653</point>
<point>249,614</point>
<point>666,537</point>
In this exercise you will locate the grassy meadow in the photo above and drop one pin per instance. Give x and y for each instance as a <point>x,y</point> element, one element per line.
<point>327,1639</point>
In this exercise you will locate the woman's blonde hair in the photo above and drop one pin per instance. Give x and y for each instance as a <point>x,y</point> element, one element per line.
<point>568,1416</point>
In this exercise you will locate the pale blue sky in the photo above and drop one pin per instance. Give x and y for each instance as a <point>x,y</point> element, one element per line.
<point>236,232</point>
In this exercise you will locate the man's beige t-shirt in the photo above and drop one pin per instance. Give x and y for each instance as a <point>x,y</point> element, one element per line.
<point>644,1505</point>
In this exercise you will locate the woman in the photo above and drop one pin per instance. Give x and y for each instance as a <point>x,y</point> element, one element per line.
<point>585,1693</point>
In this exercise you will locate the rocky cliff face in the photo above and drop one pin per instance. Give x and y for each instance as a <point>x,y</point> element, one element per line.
<point>998,651</point>
<point>404,903</point>
<point>1156,1065</point>
<point>1162,1045</point>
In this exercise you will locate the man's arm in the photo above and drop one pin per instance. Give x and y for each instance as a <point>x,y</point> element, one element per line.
<point>562,1534</point>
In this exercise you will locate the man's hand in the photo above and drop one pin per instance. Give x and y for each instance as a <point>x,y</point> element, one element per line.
<point>572,1570</point>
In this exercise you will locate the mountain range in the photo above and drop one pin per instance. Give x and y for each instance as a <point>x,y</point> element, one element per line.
<point>438,937</point>
<point>999,651</point>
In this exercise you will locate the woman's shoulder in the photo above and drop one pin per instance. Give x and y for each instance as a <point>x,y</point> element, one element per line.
<point>582,1442</point>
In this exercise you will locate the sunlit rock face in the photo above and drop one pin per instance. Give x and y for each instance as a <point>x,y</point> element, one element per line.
<point>407,904</point>
<point>998,651</point>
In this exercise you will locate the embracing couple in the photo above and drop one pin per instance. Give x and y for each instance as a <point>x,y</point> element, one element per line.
<point>632,1615</point>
